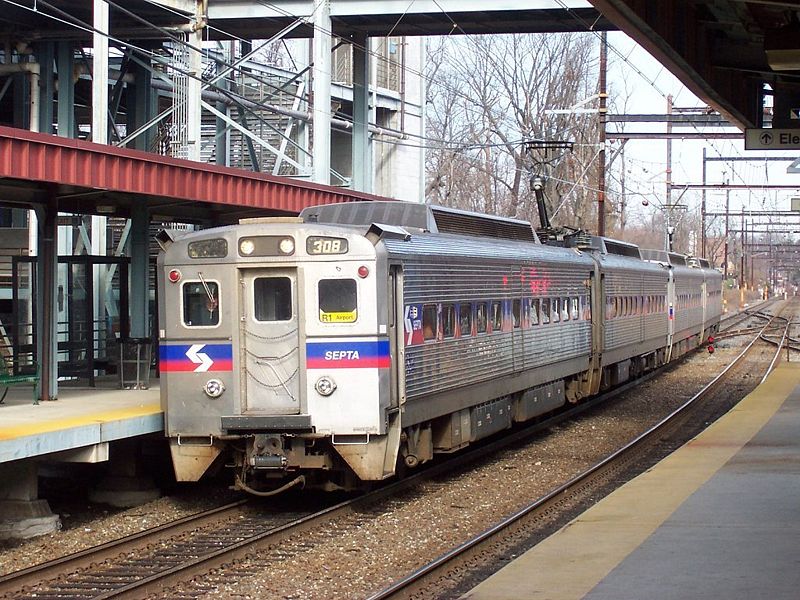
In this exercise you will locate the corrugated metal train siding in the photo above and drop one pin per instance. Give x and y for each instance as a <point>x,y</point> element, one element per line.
<point>456,362</point>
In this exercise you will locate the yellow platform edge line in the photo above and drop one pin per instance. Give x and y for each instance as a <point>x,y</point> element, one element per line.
<point>27,430</point>
<point>572,561</point>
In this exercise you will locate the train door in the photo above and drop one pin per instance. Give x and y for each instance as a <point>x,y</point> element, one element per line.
<point>704,305</point>
<point>671,312</point>
<point>269,321</point>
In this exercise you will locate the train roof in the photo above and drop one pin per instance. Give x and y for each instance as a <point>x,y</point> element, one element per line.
<point>423,217</point>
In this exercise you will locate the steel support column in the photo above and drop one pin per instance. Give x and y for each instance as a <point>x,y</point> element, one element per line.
<point>46,308</point>
<point>139,272</point>
<point>143,107</point>
<point>362,163</point>
<point>194,90</point>
<point>45,54</point>
<point>322,91</point>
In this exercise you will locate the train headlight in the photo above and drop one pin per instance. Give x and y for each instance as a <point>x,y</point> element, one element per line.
<point>286,246</point>
<point>247,247</point>
<point>214,388</point>
<point>325,386</point>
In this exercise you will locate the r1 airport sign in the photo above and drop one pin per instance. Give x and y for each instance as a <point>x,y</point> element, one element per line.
<point>772,139</point>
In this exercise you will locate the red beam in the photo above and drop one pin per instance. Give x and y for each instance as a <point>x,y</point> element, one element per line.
<point>42,158</point>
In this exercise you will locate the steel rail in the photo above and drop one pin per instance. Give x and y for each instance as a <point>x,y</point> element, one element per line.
<point>777,351</point>
<point>97,554</point>
<point>404,585</point>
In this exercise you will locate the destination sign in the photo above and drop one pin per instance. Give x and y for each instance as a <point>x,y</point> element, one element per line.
<point>772,139</point>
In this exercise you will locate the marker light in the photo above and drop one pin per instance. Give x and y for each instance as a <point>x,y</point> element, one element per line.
<point>174,276</point>
<point>214,388</point>
<point>325,386</point>
<point>286,246</point>
<point>363,271</point>
<point>247,247</point>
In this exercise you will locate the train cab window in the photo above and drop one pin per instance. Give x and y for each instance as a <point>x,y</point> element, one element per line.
<point>565,309</point>
<point>338,300</point>
<point>465,319</point>
<point>448,320</point>
<point>497,316</point>
<point>534,311</point>
<point>480,318</point>
<point>576,312</point>
<point>200,304</point>
<point>516,312</point>
<point>272,299</point>
<point>545,314</point>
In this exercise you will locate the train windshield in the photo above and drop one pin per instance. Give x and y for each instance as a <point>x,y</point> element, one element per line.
<point>200,304</point>
<point>338,301</point>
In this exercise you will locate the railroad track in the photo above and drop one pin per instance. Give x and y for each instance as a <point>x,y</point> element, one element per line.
<point>159,559</point>
<point>429,580</point>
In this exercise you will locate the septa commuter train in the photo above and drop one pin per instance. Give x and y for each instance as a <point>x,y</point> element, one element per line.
<point>335,348</point>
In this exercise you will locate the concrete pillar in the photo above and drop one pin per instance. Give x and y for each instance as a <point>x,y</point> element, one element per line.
<point>46,301</point>
<point>140,281</point>
<point>322,91</point>
<point>128,482</point>
<point>362,151</point>
<point>22,514</point>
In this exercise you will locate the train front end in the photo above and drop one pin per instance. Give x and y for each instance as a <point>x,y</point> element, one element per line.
<point>275,355</point>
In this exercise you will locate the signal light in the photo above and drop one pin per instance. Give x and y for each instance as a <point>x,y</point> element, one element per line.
<point>174,275</point>
<point>711,339</point>
<point>711,349</point>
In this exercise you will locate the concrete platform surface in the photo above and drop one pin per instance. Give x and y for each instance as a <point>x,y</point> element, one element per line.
<point>81,417</point>
<point>719,518</point>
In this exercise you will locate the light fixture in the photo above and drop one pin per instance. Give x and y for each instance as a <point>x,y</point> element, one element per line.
<point>105,209</point>
<point>247,247</point>
<point>214,388</point>
<point>325,386</point>
<point>286,246</point>
<point>782,47</point>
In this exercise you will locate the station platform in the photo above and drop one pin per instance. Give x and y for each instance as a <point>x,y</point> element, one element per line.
<point>719,518</point>
<point>82,419</point>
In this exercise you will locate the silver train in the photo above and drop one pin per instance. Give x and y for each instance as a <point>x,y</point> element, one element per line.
<point>356,340</point>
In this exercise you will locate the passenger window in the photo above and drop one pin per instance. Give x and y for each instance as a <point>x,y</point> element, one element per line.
<point>465,319</point>
<point>545,311</point>
<point>576,312</point>
<point>480,317</point>
<point>586,308</point>
<point>272,299</point>
<point>497,316</point>
<point>516,312</point>
<point>200,304</point>
<point>534,312</point>
<point>429,322</point>
<point>565,309</point>
<point>338,301</point>
<point>554,313</point>
<point>448,320</point>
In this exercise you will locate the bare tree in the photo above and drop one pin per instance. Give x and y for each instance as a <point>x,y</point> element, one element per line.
<point>488,102</point>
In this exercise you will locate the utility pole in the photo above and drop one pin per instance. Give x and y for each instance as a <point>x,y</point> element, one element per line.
<point>727,215</point>
<point>703,211</point>
<point>668,202</point>
<point>601,184</point>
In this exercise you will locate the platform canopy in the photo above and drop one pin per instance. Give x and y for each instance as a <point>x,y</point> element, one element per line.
<point>730,53</point>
